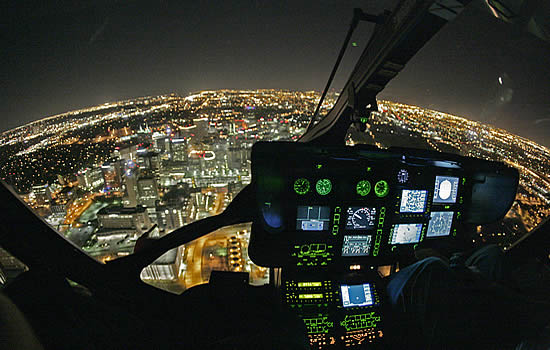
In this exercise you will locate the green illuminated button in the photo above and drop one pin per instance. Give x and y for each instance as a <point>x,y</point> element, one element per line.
<point>323,187</point>
<point>381,189</point>
<point>301,186</point>
<point>363,187</point>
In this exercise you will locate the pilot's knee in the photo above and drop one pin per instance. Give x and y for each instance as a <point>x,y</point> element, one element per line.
<point>489,261</point>
<point>421,274</point>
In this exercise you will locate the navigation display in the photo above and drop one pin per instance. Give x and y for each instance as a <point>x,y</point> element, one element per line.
<point>440,223</point>
<point>413,201</point>
<point>445,189</point>
<point>358,245</point>
<point>406,233</point>
<point>356,295</point>
<point>360,218</point>
<point>312,218</point>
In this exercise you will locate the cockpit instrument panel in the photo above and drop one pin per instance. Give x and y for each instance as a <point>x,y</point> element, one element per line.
<point>333,206</point>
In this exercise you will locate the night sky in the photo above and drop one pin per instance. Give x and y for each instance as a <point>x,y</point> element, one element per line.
<point>64,56</point>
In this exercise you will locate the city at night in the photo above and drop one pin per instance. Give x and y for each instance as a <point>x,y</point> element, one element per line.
<point>182,175</point>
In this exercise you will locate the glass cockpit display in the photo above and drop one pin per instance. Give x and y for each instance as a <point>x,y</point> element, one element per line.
<point>445,189</point>
<point>312,218</point>
<point>356,245</point>
<point>360,218</point>
<point>406,233</point>
<point>356,295</point>
<point>413,201</point>
<point>440,223</point>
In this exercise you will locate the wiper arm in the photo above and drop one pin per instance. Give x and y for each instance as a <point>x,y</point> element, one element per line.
<point>358,15</point>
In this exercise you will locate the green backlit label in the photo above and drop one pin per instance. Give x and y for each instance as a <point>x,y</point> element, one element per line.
<point>310,296</point>
<point>378,238</point>
<point>323,187</point>
<point>310,284</point>
<point>336,221</point>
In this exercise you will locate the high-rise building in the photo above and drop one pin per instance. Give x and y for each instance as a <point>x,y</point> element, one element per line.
<point>10,267</point>
<point>90,179</point>
<point>42,194</point>
<point>169,219</point>
<point>114,218</point>
<point>148,160</point>
<point>130,185</point>
<point>161,142</point>
<point>112,174</point>
<point>147,191</point>
<point>126,152</point>
<point>166,267</point>
<point>179,149</point>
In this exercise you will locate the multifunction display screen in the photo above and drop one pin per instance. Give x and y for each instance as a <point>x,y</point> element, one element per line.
<point>312,218</point>
<point>440,223</point>
<point>445,189</point>
<point>360,218</point>
<point>356,245</point>
<point>356,295</point>
<point>406,233</point>
<point>413,201</point>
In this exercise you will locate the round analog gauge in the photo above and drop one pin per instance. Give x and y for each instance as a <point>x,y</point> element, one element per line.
<point>403,176</point>
<point>301,186</point>
<point>363,188</point>
<point>363,218</point>
<point>381,189</point>
<point>323,187</point>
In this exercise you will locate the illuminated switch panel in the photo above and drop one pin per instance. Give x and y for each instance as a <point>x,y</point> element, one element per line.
<point>311,297</point>
<point>360,321</point>
<point>359,337</point>
<point>309,292</point>
<point>319,324</point>
<point>321,341</point>
<point>307,285</point>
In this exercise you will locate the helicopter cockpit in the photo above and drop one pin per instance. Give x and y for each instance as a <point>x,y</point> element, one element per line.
<point>329,216</point>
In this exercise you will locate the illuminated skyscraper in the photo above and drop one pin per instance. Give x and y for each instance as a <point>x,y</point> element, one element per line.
<point>112,174</point>
<point>90,179</point>
<point>115,218</point>
<point>130,184</point>
<point>42,194</point>
<point>147,191</point>
<point>179,150</point>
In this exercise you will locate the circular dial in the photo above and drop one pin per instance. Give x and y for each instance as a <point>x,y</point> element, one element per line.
<point>323,187</point>
<point>381,189</point>
<point>363,187</point>
<point>363,218</point>
<point>403,176</point>
<point>301,186</point>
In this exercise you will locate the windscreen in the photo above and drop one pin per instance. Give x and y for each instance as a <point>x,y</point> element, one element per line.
<point>485,96</point>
